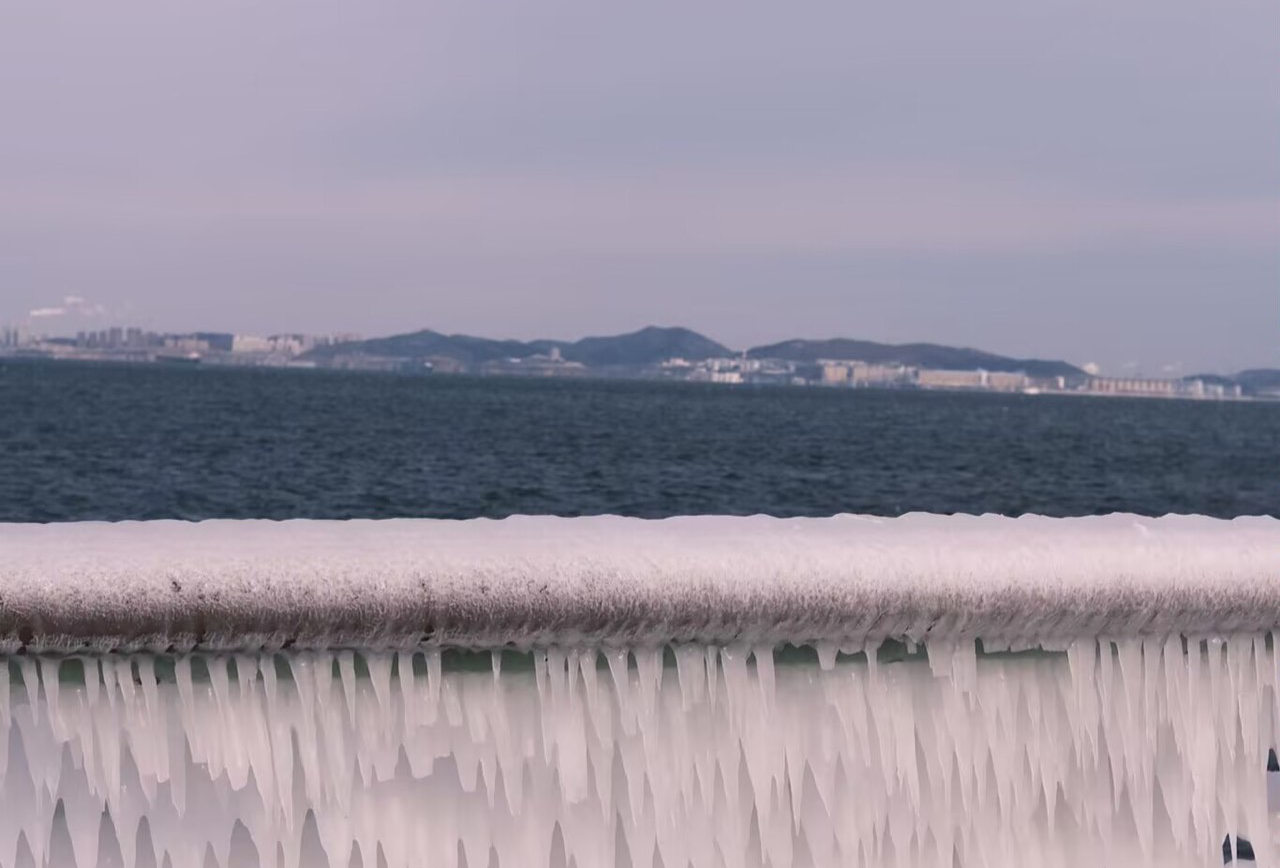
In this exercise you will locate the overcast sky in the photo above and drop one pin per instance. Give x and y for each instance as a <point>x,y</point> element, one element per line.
<point>1091,180</point>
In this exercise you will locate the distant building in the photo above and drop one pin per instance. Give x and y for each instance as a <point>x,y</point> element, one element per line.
<point>366,362</point>
<point>1002,381</point>
<point>770,372</point>
<point>11,337</point>
<point>115,343</point>
<point>186,344</point>
<point>712,375</point>
<point>1211,390</point>
<point>1146,387</point>
<point>443,365</point>
<point>732,369</point>
<point>335,338</point>
<point>862,374</point>
<point>251,344</point>
<point>931,378</point>
<point>291,345</point>
<point>537,365</point>
<point>217,341</point>
<point>994,381</point>
<point>835,373</point>
<point>843,372</point>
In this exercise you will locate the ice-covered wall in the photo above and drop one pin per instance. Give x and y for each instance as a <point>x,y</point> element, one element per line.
<point>608,580</point>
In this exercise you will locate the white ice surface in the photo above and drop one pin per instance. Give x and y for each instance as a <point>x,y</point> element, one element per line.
<point>538,581</point>
<point>1133,753</point>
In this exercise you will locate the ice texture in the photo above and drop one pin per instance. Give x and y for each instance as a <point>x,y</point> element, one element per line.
<point>962,692</point>
<point>1141,751</point>
<point>600,581</point>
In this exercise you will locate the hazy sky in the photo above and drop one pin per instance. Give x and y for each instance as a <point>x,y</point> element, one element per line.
<point>1092,180</point>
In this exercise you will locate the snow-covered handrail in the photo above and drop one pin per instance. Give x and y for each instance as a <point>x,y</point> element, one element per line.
<point>839,582</point>
<point>655,720</point>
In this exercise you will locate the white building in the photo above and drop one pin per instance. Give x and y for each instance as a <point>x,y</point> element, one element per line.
<point>251,344</point>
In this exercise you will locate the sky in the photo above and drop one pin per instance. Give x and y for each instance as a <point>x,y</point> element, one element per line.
<point>1093,180</point>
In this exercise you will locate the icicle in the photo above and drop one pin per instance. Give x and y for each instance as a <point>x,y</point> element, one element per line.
<point>692,671</point>
<point>1125,752</point>
<point>826,655</point>
<point>31,682</point>
<point>763,656</point>
<point>347,674</point>
<point>6,723</point>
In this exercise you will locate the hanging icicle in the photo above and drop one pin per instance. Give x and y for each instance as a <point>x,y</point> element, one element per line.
<point>1134,752</point>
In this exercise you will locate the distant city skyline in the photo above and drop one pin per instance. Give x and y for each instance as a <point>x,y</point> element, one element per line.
<point>61,321</point>
<point>1093,181</point>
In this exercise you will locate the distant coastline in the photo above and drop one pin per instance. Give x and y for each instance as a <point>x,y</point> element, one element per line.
<point>652,353</point>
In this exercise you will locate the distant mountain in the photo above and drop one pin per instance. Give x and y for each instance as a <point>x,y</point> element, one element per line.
<point>425,344</point>
<point>654,344</point>
<point>645,347</point>
<point>1259,380</point>
<point>913,355</point>
<point>1211,379</point>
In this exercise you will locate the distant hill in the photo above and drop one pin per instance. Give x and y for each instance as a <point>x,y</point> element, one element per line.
<point>1259,380</point>
<point>913,355</point>
<point>1211,379</point>
<point>647,346</point>
<point>425,344</point>
<point>1256,382</point>
<point>655,344</point>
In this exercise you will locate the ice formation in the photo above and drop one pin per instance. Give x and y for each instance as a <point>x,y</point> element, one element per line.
<point>541,580</point>
<point>927,691</point>
<point>1134,752</point>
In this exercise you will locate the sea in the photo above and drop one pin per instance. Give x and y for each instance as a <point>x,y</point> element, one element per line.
<point>115,442</point>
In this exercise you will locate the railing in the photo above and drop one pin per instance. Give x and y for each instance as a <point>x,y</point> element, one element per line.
<point>602,691</point>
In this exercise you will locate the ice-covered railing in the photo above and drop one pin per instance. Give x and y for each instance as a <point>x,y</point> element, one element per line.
<point>599,692</point>
<point>542,581</point>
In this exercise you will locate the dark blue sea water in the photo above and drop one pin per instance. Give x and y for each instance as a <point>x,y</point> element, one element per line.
<point>131,442</point>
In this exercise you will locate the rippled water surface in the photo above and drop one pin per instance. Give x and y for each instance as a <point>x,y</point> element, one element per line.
<point>130,442</point>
